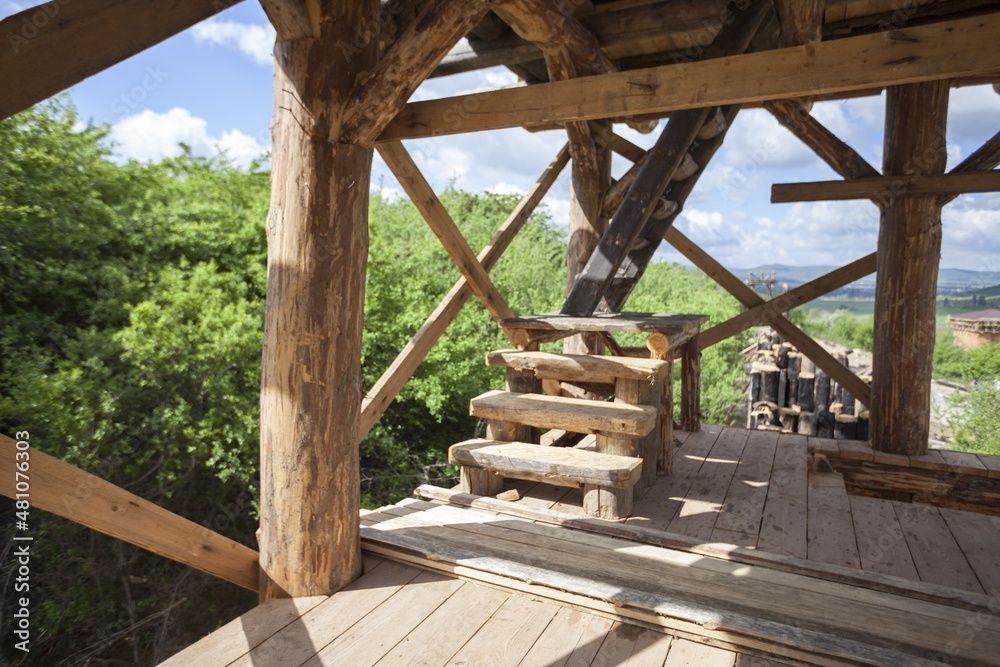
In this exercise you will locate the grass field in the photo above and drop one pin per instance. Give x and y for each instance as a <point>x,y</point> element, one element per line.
<point>865,308</point>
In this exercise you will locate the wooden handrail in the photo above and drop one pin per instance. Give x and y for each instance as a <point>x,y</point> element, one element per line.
<point>65,490</point>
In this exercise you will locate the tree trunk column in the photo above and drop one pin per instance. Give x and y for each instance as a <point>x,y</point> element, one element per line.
<point>586,195</point>
<point>311,392</point>
<point>909,252</point>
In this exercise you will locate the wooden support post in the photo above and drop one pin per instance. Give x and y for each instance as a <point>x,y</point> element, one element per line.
<point>801,21</point>
<point>691,385</point>
<point>585,228</point>
<point>523,382</point>
<point>480,482</point>
<point>909,250</point>
<point>639,392</point>
<point>659,348</point>
<point>311,390</point>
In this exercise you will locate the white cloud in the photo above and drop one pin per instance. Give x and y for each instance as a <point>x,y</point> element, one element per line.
<point>150,136</point>
<point>252,40</point>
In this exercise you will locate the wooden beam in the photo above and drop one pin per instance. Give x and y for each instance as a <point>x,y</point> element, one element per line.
<point>385,390</point>
<point>985,157</point>
<point>290,18</point>
<point>55,45</point>
<point>317,234</point>
<point>886,188</point>
<point>54,486</point>
<point>801,21</point>
<point>909,251</point>
<point>942,50</point>
<point>628,221</point>
<point>441,223</point>
<point>780,323</point>
<point>379,96</point>
<point>768,310</point>
<point>843,159</point>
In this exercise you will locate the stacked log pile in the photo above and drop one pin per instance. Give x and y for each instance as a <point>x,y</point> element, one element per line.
<point>788,393</point>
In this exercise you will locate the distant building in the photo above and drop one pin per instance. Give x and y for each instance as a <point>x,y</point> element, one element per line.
<point>976,328</point>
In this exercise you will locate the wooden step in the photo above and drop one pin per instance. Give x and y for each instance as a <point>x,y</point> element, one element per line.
<point>580,367</point>
<point>572,414</point>
<point>562,466</point>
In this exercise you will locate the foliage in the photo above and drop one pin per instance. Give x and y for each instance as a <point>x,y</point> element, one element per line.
<point>975,415</point>
<point>842,327</point>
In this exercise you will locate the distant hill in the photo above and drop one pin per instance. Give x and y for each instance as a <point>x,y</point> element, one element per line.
<point>950,281</point>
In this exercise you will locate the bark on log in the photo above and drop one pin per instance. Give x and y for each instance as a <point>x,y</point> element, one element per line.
<point>909,251</point>
<point>805,399</point>
<point>807,423</point>
<point>311,382</point>
<point>823,398</point>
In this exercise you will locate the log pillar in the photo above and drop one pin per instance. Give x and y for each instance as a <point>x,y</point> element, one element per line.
<point>586,194</point>
<point>317,232</point>
<point>909,251</point>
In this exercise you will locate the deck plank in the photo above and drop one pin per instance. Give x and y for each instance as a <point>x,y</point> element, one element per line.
<point>675,577</point>
<point>881,544</point>
<point>937,556</point>
<point>241,635</point>
<point>684,653</point>
<point>442,634</point>
<point>831,528</point>
<point>650,649</point>
<point>571,639</point>
<point>618,645</point>
<point>743,508</point>
<point>507,637</point>
<point>661,503</point>
<point>697,517</point>
<point>379,631</point>
<point>299,641</point>
<point>783,527</point>
<point>978,536</point>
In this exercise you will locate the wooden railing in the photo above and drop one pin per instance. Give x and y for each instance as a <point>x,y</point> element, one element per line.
<point>67,491</point>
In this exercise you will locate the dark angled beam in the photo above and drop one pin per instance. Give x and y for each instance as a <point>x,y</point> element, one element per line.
<point>290,18</point>
<point>630,218</point>
<point>426,39</point>
<point>963,47</point>
<point>986,156</point>
<point>794,116</point>
<point>885,188</point>
<point>48,48</point>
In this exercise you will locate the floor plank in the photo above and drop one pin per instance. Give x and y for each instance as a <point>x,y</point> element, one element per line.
<point>881,544</point>
<point>937,556</point>
<point>442,634</point>
<point>238,637</point>
<point>618,645</point>
<point>299,641</point>
<point>684,653</point>
<point>696,518</point>
<point>379,631</point>
<point>650,649</point>
<point>661,503</point>
<point>978,536</point>
<point>572,638</point>
<point>508,636</point>
<point>743,508</point>
<point>783,527</point>
<point>831,529</point>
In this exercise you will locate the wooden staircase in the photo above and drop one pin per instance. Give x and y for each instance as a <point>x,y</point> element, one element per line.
<point>627,431</point>
<point>649,198</point>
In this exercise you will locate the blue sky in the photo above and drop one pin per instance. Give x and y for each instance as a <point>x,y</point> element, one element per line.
<point>210,87</point>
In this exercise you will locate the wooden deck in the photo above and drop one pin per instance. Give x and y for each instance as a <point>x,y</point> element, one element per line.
<point>741,557</point>
<point>754,489</point>
<point>399,614</point>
